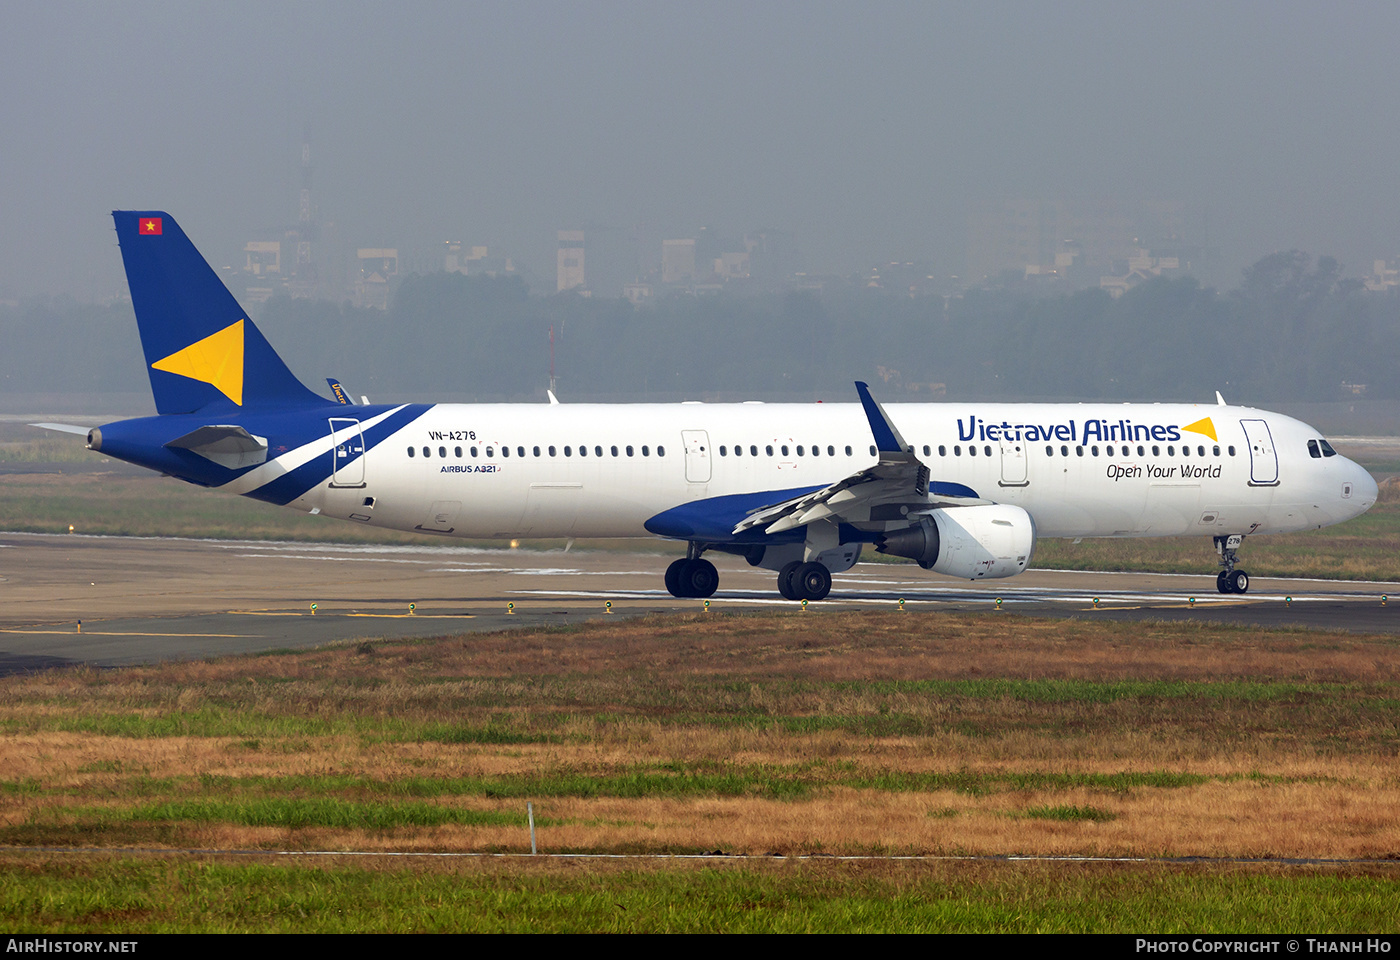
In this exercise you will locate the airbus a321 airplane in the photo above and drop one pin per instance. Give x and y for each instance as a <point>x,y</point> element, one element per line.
<point>963,489</point>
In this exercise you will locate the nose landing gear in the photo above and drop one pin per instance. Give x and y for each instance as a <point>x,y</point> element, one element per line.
<point>1230,579</point>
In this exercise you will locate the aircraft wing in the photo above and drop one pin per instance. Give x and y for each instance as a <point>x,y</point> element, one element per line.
<point>897,486</point>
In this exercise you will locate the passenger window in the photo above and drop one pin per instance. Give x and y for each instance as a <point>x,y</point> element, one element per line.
<point>1201,451</point>
<point>816,450</point>
<point>971,451</point>
<point>1108,451</point>
<point>942,450</point>
<point>926,450</point>
<point>957,451</point>
<point>1231,449</point>
<point>722,451</point>
<point>872,450</point>
<point>1185,450</point>
<point>987,450</point>
<point>1171,451</point>
<point>442,452</point>
<point>410,452</point>
<point>582,451</point>
<point>1140,450</point>
<point>768,449</point>
<point>1079,451</point>
<point>738,450</point>
<point>536,451</point>
<point>427,452</point>
<point>1094,450</point>
<point>1156,450</point>
<point>505,451</point>
<point>1215,451</point>
<point>646,451</point>
<point>753,450</point>
<point>629,450</point>
<point>1064,450</point>
<point>848,451</point>
<point>597,451</point>
<point>568,451</point>
<point>660,450</point>
<point>785,453</point>
<point>457,452</point>
<point>472,451</point>
<point>551,452</point>
<point>489,452</point>
<point>799,449</point>
<point>613,451</point>
<point>1049,451</point>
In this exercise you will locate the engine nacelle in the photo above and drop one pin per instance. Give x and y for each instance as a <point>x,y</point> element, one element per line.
<point>973,543</point>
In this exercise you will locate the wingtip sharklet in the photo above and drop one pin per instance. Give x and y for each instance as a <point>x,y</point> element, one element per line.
<point>887,436</point>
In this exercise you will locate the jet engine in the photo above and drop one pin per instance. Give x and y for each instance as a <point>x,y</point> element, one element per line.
<point>974,543</point>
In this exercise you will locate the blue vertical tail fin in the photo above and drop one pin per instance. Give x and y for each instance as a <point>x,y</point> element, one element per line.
<point>201,349</point>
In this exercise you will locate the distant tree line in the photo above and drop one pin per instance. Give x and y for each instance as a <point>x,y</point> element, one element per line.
<point>1293,330</point>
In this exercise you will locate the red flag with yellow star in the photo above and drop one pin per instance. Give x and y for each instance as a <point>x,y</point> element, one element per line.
<point>150,226</point>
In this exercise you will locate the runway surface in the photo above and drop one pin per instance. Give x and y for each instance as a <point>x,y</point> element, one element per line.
<point>109,601</point>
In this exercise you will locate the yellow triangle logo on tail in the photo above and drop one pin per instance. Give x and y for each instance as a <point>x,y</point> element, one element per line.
<point>1204,427</point>
<point>216,360</point>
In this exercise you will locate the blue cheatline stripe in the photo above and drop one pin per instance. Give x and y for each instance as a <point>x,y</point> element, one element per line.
<point>317,470</point>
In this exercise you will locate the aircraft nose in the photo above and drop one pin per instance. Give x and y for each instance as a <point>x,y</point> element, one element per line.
<point>1364,488</point>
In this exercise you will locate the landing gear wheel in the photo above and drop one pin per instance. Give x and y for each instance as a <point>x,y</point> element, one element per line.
<point>786,585</point>
<point>700,578</point>
<point>813,581</point>
<point>1239,581</point>
<point>1222,582</point>
<point>674,585</point>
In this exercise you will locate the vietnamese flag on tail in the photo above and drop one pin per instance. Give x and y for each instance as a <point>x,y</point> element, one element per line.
<point>150,226</point>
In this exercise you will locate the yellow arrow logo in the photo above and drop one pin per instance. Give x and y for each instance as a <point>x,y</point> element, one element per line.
<point>216,360</point>
<point>1204,427</point>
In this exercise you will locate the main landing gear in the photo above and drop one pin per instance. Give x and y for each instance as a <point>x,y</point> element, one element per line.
<point>804,581</point>
<point>692,577</point>
<point>1230,579</point>
<point>696,578</point>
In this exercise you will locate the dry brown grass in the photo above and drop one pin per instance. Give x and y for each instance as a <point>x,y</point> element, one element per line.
<point>1284,743</point>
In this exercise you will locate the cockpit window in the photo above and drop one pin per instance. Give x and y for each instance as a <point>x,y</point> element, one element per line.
<point>1327,450</point>
<point>1313,450</point>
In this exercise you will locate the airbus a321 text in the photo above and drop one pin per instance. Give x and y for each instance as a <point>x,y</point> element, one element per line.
<point>963,489</point>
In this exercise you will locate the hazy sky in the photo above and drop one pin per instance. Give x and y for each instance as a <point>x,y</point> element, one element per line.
<point>863,128</point>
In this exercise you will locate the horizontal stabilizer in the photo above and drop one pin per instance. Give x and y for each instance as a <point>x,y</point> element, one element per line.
<point>227,445</point>
<point>63,428</point>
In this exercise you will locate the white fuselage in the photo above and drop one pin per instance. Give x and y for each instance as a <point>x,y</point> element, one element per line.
<point>1079,470</point>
